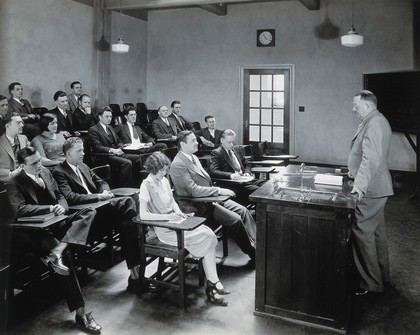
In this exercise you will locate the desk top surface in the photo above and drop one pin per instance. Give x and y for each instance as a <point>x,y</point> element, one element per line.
<point>187,224</point>
<point>290,186</point>
<point>38,225</point>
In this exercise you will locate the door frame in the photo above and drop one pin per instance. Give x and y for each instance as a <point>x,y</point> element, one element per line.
<point>291,68</point>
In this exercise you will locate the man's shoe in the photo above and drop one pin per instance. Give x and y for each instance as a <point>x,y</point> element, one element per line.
<point>55,262</point>
<point>132,285</point>
<point>88,324</point>
<point>152,288</point>
<point>360,291</point>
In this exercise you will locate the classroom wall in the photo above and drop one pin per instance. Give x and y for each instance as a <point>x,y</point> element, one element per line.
<point>195,56</point>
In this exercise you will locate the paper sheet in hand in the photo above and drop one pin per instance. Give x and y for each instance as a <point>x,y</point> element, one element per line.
<point>328,179</point>
<point>134,146</point>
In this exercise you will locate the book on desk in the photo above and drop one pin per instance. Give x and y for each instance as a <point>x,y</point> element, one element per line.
<point>36,218</point>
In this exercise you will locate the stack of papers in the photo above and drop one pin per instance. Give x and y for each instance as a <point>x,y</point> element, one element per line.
<point>328,179</point>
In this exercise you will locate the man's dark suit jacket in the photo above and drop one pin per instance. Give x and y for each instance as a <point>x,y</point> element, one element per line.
<point>72,188</point>
<point>23,110</point>
<point>100,141</point>
<point>21,190</point>
<point>182,123</point>
<point>64,123</point>
<point>81,120</point>
<point>162,130</point>
<point>123,133</point>
<point>206,134</point>
<point>221,165</point>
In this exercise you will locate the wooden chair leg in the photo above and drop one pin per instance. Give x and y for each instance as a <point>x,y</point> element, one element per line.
<point>181,274</point>
<point>200,273</point>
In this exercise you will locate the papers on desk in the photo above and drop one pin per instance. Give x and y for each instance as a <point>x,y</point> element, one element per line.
<point>328,179</point>
<point>36,218</point>
<point>134,146</point>
<point>245,179</point>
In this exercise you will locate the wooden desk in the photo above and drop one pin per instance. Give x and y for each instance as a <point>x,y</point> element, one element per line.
<point>38,225</point>
<point>270,162</point>
<point>303,248</point>
<point>262,169</point>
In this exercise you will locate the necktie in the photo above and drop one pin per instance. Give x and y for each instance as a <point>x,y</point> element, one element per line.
<point>64,113</point>
<point>135,135</point>
<point>193,160</point>
<point>40,182</point>
<point>16,146</point>
<point>235,162</point>
<point>79,174</point>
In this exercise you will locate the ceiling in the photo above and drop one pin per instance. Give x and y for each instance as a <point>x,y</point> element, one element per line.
<point>140,8</point>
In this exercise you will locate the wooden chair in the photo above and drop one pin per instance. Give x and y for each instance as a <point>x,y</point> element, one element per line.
<point>262,151</point>
<point>196,125</point>
<point>103,172</point>
<point>174,262</point>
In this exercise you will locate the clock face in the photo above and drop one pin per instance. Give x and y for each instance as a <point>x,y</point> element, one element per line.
<point>266,37</point>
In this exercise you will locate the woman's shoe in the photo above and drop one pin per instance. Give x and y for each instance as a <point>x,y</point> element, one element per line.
<point>211,296</point>
<point>219,290</point>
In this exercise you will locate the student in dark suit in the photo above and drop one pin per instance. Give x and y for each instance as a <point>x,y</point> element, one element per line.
<point>63,117</point>
<point>228,162</point>
<point>4,107</point>
<point>191,180</point>
<point>74,96</point>
<point>373,185</point>
<point>129,133</point>
<point>209,136</point>
<point>103,139</point>
<point>165,128</point>
<point>10,143</point>
<point>80,185</point>
<point>33,191</point>
<point>178,118</point>
<point>83,118</point>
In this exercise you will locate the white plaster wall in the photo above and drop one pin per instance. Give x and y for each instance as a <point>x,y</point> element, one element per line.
<point>195,56</point>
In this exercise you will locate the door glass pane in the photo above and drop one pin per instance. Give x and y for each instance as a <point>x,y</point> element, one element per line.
<point>254,82</point>
<point>254,133</point>
<point>278,99</point>
<point>278,134</point>
<point>254,99</point>
<point>266,116</point>
<point>266,99</point>
<point>265,134</point>
<point>266,82</point>
<point>278,82</point>
<point>278,117</point>
<point>254,116</point>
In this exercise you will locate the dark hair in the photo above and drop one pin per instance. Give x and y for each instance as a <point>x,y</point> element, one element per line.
<point>175,102</point>
<point>12,86</point>
<point>227,132</point>
<point>8,117</point>
<point>181,137</point>
<point>45,120</point>
<point>367,96</point>
<point>156,162</point>
<point>2,97</point>
<point>208,117</point>
<point>59,94</point>
<point>82,96</point>
<point>104,109</point>
<point>25,152</point>
<point>74,83</point>
<point>70,143</point>
<point>129,109</point>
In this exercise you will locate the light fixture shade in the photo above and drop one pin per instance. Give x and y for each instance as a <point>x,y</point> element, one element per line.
<point>120,47</point>
<point>352,39</point>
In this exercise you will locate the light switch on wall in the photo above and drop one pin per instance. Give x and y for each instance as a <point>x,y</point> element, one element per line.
<point>301,108</point>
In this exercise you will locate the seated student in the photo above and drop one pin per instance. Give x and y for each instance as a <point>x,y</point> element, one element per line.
<point>165,128</point>
<point>50,142</point>
<point>33,191</point>
<point>228,162</point>
<point>103,139</point>
<point>191,180</point>
<point>4,107</point>
<point>129,133</point>
<point>209,136</point>
<point>83,118</point>
<point>10,143</point>
<point>24,109</point>
<point>178,118</point>
<point>64,121</point>
<point>81,186</point>
<point>157,202</point>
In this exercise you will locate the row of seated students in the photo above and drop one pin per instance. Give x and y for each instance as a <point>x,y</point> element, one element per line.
<point>33,189</point>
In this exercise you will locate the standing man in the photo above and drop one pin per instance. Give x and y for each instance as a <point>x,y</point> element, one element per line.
<point>10,143</point>
<point>103,139</point>
<point>73,97</point>
<point>129,133</point>
<point>179,119</point>
<point>191,180</point>
<point>373,185</point>
<point>165,128</point>
<point>209,136</point>
<point>82,116</point>
<point>60,111</point>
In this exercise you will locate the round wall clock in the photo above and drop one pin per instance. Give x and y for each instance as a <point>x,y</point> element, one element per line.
<point>266,37</point>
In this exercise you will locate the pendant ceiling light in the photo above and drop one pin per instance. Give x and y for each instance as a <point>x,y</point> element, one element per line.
<point>120,47</point>
<point>352,39</point>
